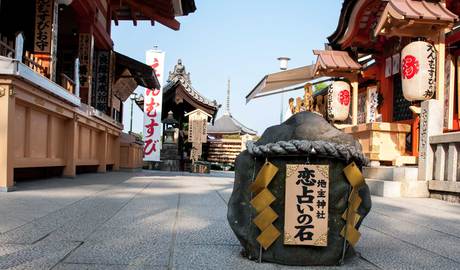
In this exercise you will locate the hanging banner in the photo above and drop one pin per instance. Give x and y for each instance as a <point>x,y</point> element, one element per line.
<point>153,100</point>
<point>306,205</point>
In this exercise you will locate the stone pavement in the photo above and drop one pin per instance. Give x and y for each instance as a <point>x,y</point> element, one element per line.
<point>150,220</point>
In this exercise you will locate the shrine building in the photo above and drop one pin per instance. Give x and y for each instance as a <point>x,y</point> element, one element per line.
<point>62,86</point>
<point>393,73</point>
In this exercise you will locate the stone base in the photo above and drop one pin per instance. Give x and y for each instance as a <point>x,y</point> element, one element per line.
<point>7,189</point>
<point>395,182</point>
<point>384,188</point>
<point>415,189</point>
<point>170,165</point>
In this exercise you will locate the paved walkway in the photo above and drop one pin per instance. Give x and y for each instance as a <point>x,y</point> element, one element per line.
<point>142,221</point>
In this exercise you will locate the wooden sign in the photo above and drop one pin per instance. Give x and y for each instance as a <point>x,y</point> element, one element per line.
<point>306,205</point>
<point>44,10</point>
<point>100,90</point>
<point>125,85</point>
<point>198,126</point>
<point>85,54</point>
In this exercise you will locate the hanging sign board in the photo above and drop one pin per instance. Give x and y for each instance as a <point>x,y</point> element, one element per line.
<point>396,59</point>
<point>371,104</point>
<point>306,205</point>
<point>85,55</point>
<point>153,100</point>
<point>44,12</point>
<point>388,67</point>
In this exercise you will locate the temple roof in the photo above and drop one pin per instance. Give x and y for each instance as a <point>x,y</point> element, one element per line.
<point>335,60</point>
<point>226,124</point>
<point>410,18</point>
<point>180,76</point>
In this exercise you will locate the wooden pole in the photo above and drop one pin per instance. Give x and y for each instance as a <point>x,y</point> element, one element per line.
<point>458,87</point>
<point>102,151</point>
<point>355,86</point>
<point>450,92</point>
<point>7,108</point>
<point>72,130</point>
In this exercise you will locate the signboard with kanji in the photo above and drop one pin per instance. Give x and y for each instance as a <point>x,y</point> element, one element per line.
<point>44,11</point>
<point>198,126</point>
<point>153,99</point>
<point>306,205</point>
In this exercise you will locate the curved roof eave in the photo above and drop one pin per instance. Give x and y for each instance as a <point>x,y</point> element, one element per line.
<point>345,13</point>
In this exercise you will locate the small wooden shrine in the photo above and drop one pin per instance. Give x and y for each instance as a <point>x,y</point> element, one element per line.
<point>191,110</point>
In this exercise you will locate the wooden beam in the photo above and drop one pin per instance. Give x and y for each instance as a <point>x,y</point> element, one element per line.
<point>153,14</point>
<point>115,17</point>
<point>134,16</point>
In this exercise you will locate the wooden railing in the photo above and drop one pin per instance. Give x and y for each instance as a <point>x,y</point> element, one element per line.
<point>15,50</point>
<point>67,83</point>
<point>6,47</point>
<point>446,163</point>
<point>36,64</point>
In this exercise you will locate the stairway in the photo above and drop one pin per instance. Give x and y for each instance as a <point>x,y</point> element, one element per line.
<point>395,182</point>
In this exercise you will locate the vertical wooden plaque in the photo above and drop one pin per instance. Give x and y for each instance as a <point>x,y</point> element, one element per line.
<point>306,205</point>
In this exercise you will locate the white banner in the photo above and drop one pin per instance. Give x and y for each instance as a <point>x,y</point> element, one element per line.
<point>153,100</point>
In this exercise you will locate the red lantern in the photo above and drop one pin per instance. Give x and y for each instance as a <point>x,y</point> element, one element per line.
<point>418,70</point>
<point>338,103</point>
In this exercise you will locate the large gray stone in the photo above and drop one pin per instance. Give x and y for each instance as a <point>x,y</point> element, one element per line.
<point>302,126</point>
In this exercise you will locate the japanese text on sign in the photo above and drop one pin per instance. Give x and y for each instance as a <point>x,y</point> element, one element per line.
<point>153,99</point>
<point>306,205</point>
<point>43,25</point>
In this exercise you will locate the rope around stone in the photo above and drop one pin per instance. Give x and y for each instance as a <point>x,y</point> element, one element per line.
<point>308,148</point>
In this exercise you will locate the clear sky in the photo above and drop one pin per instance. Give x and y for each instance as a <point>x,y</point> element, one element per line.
<point>237,39</point>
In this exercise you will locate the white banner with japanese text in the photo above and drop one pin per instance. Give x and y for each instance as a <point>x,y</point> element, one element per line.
<point>153,100</point>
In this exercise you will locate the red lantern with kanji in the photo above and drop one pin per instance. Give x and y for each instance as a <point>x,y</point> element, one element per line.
<point>339,98</point>
<point>418,71</point>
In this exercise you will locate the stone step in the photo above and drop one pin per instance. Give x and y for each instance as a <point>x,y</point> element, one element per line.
<point>401,174</point>
<point>384,188</point>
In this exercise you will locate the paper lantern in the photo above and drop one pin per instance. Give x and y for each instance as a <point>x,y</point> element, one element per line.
<point>338,103</point>
<point>418,70</point>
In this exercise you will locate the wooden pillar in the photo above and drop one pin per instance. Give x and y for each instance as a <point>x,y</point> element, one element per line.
<point>102,151</point>
<point>7,108</point>
<point>440,69</point>
<point>355,86</point>
<point>458,87</point>
<point>71,155</point>
<point>116,156</point>
<point>450,84</point>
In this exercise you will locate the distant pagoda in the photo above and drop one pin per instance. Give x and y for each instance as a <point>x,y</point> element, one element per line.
<point>227,137</point>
